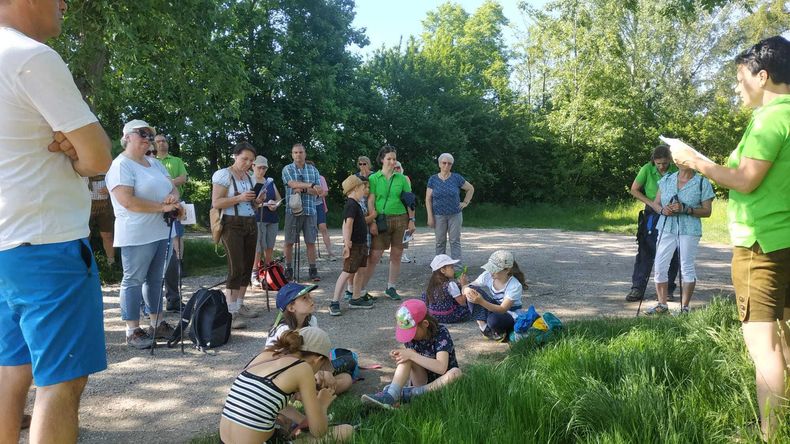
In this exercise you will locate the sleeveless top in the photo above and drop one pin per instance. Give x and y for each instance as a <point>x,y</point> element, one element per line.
<point>254,401</point>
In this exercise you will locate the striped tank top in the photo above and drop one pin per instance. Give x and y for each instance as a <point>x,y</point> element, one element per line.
<point>254,401</point>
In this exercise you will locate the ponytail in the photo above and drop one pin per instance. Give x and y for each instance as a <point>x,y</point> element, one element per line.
<point>289,343</point>
<point>435,283</point>
<point>518,274</point>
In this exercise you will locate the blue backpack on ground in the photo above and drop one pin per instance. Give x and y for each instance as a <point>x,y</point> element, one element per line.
<point>525,329</point>
<point>345,361</point>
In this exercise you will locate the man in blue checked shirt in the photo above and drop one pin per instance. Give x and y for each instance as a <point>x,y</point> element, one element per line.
<point>302,181</point>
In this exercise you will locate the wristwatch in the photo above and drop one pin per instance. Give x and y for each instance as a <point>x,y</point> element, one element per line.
<point>411,219</point>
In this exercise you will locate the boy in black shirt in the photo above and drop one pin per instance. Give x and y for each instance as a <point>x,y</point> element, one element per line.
<point>355,248</point>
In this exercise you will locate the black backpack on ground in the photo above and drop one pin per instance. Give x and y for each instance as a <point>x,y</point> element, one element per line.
<point>207,318</point>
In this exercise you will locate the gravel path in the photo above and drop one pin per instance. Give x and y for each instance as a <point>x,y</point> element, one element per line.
<point>171,397</point>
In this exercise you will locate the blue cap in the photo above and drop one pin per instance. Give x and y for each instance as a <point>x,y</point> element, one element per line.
<point>291,291</point>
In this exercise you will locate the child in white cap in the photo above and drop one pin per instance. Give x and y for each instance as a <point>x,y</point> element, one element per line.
<point>443,296</point>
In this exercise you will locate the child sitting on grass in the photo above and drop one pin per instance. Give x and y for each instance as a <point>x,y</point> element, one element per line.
<point>495,295</point>
<point>296,311</point>
<point>355,248</point>
<point>260,392</point>
<point>428,361</point>
<point>443,297</point>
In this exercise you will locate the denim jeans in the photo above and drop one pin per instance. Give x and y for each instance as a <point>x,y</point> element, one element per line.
<point>448,226</point>
<point>143,267</point>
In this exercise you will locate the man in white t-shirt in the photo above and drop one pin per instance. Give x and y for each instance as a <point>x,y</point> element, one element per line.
<point>50,296</point>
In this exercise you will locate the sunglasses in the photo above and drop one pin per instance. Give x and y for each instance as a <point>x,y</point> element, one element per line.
<point>150,153</point>
<point>145,134</point>
<point>362,163</point>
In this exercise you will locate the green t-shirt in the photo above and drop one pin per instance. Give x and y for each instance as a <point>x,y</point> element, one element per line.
<point>763,216</point>
<point>175,167</point>
<point>379,186</point>
<point>649,176</point>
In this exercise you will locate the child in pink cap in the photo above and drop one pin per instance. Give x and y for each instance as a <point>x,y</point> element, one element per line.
<point>427,363</point>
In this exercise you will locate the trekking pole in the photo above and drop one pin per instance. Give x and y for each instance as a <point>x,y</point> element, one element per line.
<point>169,221</point>
<point>658,241</point>
<point>179,256</point>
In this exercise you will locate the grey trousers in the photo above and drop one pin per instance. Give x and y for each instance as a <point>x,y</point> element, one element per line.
<point>448,226</point>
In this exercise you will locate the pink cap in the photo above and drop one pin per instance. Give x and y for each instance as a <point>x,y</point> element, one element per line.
<point>410,313</point>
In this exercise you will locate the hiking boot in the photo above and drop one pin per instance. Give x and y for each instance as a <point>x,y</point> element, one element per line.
<point>360,303</point>
<point>173,306</point>
<point>246,312</point>
<point>237,322</point>
<point>380,399</point>
<point>139,339</point>
<point>313,274</point>
<point>348,295</point>
<point>492,335</point>
<point>635,295</point>
<point>659,309</point>
<point>163,331</point>
<point>392,294</point>
<point>334,308</point>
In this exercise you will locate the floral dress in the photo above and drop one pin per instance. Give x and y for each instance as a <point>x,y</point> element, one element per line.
<point>444,307</point>
<point>430,347</point>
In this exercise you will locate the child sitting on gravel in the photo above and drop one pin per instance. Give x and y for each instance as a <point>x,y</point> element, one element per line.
<point>495,295</point>
<point>428,361</point>
<point>296,311</point>
<point>443,297</point>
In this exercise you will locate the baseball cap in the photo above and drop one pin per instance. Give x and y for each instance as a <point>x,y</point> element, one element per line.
<point>410,313</point>
<point>499,260</point>
<point>441,260</point>
<point>352,182</point>
<point>291,291</point>
<point>136,124</point>
<point>261,161</point>
<point>315,340</point>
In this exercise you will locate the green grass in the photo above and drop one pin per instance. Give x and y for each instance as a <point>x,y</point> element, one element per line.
<point>663,380</point>
<point>201,257</point>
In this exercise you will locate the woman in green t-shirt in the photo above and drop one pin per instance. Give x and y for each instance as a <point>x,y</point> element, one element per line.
<point>393,218</point>
<point>758,176</point>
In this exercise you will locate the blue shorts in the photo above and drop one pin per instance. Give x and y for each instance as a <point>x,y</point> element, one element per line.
<point>179,228</point>
<point>320,214</point>
<point>51,311</point>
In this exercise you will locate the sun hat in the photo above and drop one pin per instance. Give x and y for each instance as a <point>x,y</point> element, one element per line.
<point>410,313</point>
<point>499,260</point>
<point>261,161</point>
<point>315,340</point>
<point>136,124</point>
<point>352,182</point>
<point>291,291</point>
<point>441,260</point>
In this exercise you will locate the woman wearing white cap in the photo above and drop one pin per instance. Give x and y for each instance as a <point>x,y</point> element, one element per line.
<point>141,193</point>
<point>495,295</point>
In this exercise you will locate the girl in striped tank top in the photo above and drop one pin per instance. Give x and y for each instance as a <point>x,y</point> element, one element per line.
<point>261,390</point>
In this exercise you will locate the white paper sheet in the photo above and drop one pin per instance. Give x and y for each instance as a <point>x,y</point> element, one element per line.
<point>190,218</point>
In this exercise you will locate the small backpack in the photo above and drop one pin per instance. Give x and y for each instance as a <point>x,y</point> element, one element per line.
<point>345,361</point>
<point>207,317</point>
<point>273,274</point>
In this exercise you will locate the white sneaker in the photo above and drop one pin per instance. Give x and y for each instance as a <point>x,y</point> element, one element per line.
<point>237,322</point>
<point>254,279</point>
<point>405,259</point>
<point>246,312</point>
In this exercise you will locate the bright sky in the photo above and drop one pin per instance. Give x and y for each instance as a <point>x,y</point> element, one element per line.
<point>386,21</point>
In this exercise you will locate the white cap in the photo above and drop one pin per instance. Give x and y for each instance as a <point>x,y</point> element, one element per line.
<point>441,260</point>
<point>136,124</point>
<point>261,161</point>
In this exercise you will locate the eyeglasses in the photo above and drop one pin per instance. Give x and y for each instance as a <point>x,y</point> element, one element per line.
<point>362,163</point>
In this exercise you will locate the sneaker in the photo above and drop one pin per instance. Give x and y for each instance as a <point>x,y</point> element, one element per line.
<point>246,312</point>
<point>659,309</point>
<point>492,335</point>
<point>139,339</point>
<point>289,273</point>
<point>380,399</point>
<point>405,395</point>
<point>360,303</point>
<point>237,322</point>
<point>368,297</point>
<point>684,310</point>
<point>392,294</point>
<point>314,275</point>
<point>172,306</point>
<point>334,308</point>
<point>348,295</point>
<point>163,331</point>
<point>254,279</point>
<point>405,259</point>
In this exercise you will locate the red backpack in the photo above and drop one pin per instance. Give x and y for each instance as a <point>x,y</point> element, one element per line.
<point>273,274</point>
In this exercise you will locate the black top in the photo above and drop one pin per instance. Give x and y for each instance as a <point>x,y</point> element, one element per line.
<point>359,230</point>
